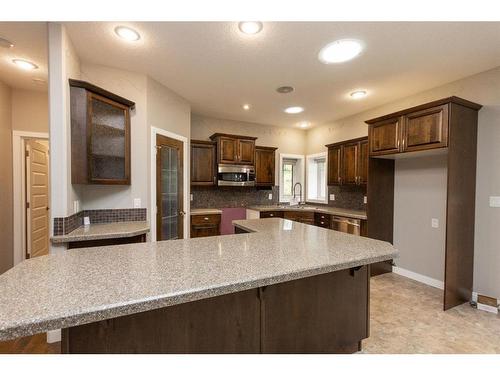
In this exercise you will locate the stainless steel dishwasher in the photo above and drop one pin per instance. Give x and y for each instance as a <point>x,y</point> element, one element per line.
<point>346,225</point>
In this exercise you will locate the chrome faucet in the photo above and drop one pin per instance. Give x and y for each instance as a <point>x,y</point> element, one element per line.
<point>300,192</point>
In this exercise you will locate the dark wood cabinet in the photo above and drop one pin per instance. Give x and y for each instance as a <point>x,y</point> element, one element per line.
<point>234,149</point>
<point>205,225</point>
<point>322,220</point>
<point>100,135</point>
<point>301,217</point>
<point>107,242</point>
<point>203,163</point>
<point>265,165</point>
<point>266,214</point>
<point>348,162</point>
<point>384,136</point>
<point>426,129</point>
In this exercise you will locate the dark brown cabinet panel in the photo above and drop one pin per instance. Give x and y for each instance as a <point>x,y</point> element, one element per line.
<point>100,136</point>
<point>107,242</point>
<point>301,217</point>
<point>205,225</point>
<point>203,163</point>
<point>348,162</point>
<point>265,214</point>
<point>334,165</point>
<point>384,136</point>
<point>264,166</point>
<point>426,129</point>
<point>322,220</point>
<point>234,149</point>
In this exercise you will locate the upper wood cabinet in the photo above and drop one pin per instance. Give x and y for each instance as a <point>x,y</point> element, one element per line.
<point>348,162</point>
<point>203,163</point>
<point>265,165</point>
<point>415,129</point>
<point>234,149</point>
<point>100,135</point>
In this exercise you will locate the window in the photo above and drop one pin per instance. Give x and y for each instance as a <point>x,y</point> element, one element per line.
<point>291,172</point>
<point>316,178</point>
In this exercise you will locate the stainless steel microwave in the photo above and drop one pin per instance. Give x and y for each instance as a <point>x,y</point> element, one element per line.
<point>236,175</point>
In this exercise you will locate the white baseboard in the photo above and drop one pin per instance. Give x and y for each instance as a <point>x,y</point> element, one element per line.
<point>53,336</point>
<point>488,308</point>
<point>418,277</point>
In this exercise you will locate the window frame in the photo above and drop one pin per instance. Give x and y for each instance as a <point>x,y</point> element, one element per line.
<point>310,159</point>
<point>298,175</point>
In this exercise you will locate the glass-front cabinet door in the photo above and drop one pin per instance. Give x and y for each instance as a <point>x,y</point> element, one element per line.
<point>109,141</point>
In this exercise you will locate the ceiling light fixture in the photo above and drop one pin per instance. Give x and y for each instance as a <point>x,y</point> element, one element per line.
<point>4,43</point>
<point>358,94</point>
<point>128,34</point>
<point>294,110</point>
<point>25,64</point>
<point>340,51</point>
<point>246,107</point>
<point>250,27</point>
<point>285,89</point>
<point>304,124</point>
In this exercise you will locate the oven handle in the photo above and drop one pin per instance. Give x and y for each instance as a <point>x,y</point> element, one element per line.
<point>353,222</point>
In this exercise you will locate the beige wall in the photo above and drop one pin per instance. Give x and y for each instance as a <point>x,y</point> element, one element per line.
<point>30,111</point>
<point>483,88</point>
<point>6,218</point>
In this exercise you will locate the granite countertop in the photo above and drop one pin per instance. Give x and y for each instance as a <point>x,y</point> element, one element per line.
<point>77,287</point>
<point>205,211</point>
<point>104,231</point>
<point>345,212</point>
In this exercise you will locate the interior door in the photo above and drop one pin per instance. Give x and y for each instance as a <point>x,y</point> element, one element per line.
<point>37,199</point>
<point>170,214</point>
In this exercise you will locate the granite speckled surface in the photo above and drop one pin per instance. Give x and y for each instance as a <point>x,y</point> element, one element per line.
<point>354,214</point>
<point>205,211</point>
<point>78,287</point>
<point>103,231</point>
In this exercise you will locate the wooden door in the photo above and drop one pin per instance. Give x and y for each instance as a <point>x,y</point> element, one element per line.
<point>37,194</point>
<point>349,164</point>
<point>246,151</point>
<point>334,165</point>
<point>228,150</point>
<point>169,189</point>
<point>203,163</point>
<point>384,136</point>
<point>264,166</point>
<point>426,129</point>
<point>362,163</point>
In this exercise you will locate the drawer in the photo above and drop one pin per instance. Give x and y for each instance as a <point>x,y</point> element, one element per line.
<point>304,217</point>
<point>265,214</point>
<point>322,220</point>
<point>205,219</point>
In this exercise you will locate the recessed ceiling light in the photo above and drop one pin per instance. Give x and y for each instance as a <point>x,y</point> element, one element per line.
<point>250,27</point>
<point>4,43</point>
<point>340,51</point>
<point>246,107</point>
<point>127,33</point>
<point>358,94</point>
<point>304,124</point>
<point>285,89</point>
<point>25,64</point>
<point>294,110</point>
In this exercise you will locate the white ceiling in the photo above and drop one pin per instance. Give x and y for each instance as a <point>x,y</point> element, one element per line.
<point>30,43</point>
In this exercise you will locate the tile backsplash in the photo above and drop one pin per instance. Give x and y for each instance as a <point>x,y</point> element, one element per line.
<point>65,225</point>
<point>351,197</point>
<point>231,197</point>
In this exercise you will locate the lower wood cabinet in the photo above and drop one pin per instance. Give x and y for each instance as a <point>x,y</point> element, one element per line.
<point>301,217</point>
<point>265,214</point>
<point>205,225</point>
<point>107,242</point>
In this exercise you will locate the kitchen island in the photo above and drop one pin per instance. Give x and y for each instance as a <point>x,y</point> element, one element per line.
<point>286,287</point>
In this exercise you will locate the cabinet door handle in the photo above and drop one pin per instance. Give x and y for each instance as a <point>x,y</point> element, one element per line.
<point>205,218</point>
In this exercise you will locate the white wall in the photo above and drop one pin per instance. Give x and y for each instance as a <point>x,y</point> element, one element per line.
<point>30,111</point>
<point>483,88</point>
<point>6,218</point>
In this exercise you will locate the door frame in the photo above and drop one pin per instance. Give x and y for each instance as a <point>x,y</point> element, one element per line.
<point>19,187</point>
<point>186,179</point>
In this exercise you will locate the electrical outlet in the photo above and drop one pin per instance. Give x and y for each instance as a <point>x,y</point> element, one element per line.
<point>434,223</point>
<point>365,199</point>
<point>137,202</point>
<point>191,197</point>
<point>270,196</point>
<point>332,197</point>
<point>86,220</point>
<point>494,201</point>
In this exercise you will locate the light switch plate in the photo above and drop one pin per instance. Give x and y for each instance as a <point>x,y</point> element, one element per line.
<point>494,201</point>
<point>270,196</point>
<point>332,197</point>
<point>137,202</point>
<point>191,197</point>
<point>365,199</point>
<point>434,223</point>
<point>76,206</point>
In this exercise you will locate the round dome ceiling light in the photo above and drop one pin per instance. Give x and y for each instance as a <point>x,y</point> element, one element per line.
<point>246,107</point>
<point>285,89</point>
<point>294,110</point>
<point>304,124</point>
<point>359,94</point>
<point>250,27</point>
<point>340,51</point>
<point>25,64</point>
<point>128,34</point>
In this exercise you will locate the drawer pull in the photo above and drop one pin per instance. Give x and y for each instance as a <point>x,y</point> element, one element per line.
<point>271,215</point>
<point>322,222</point>
<point>205,218</point>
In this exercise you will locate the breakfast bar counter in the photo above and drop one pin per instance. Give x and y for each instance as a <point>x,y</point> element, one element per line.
<point>216,294</point>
